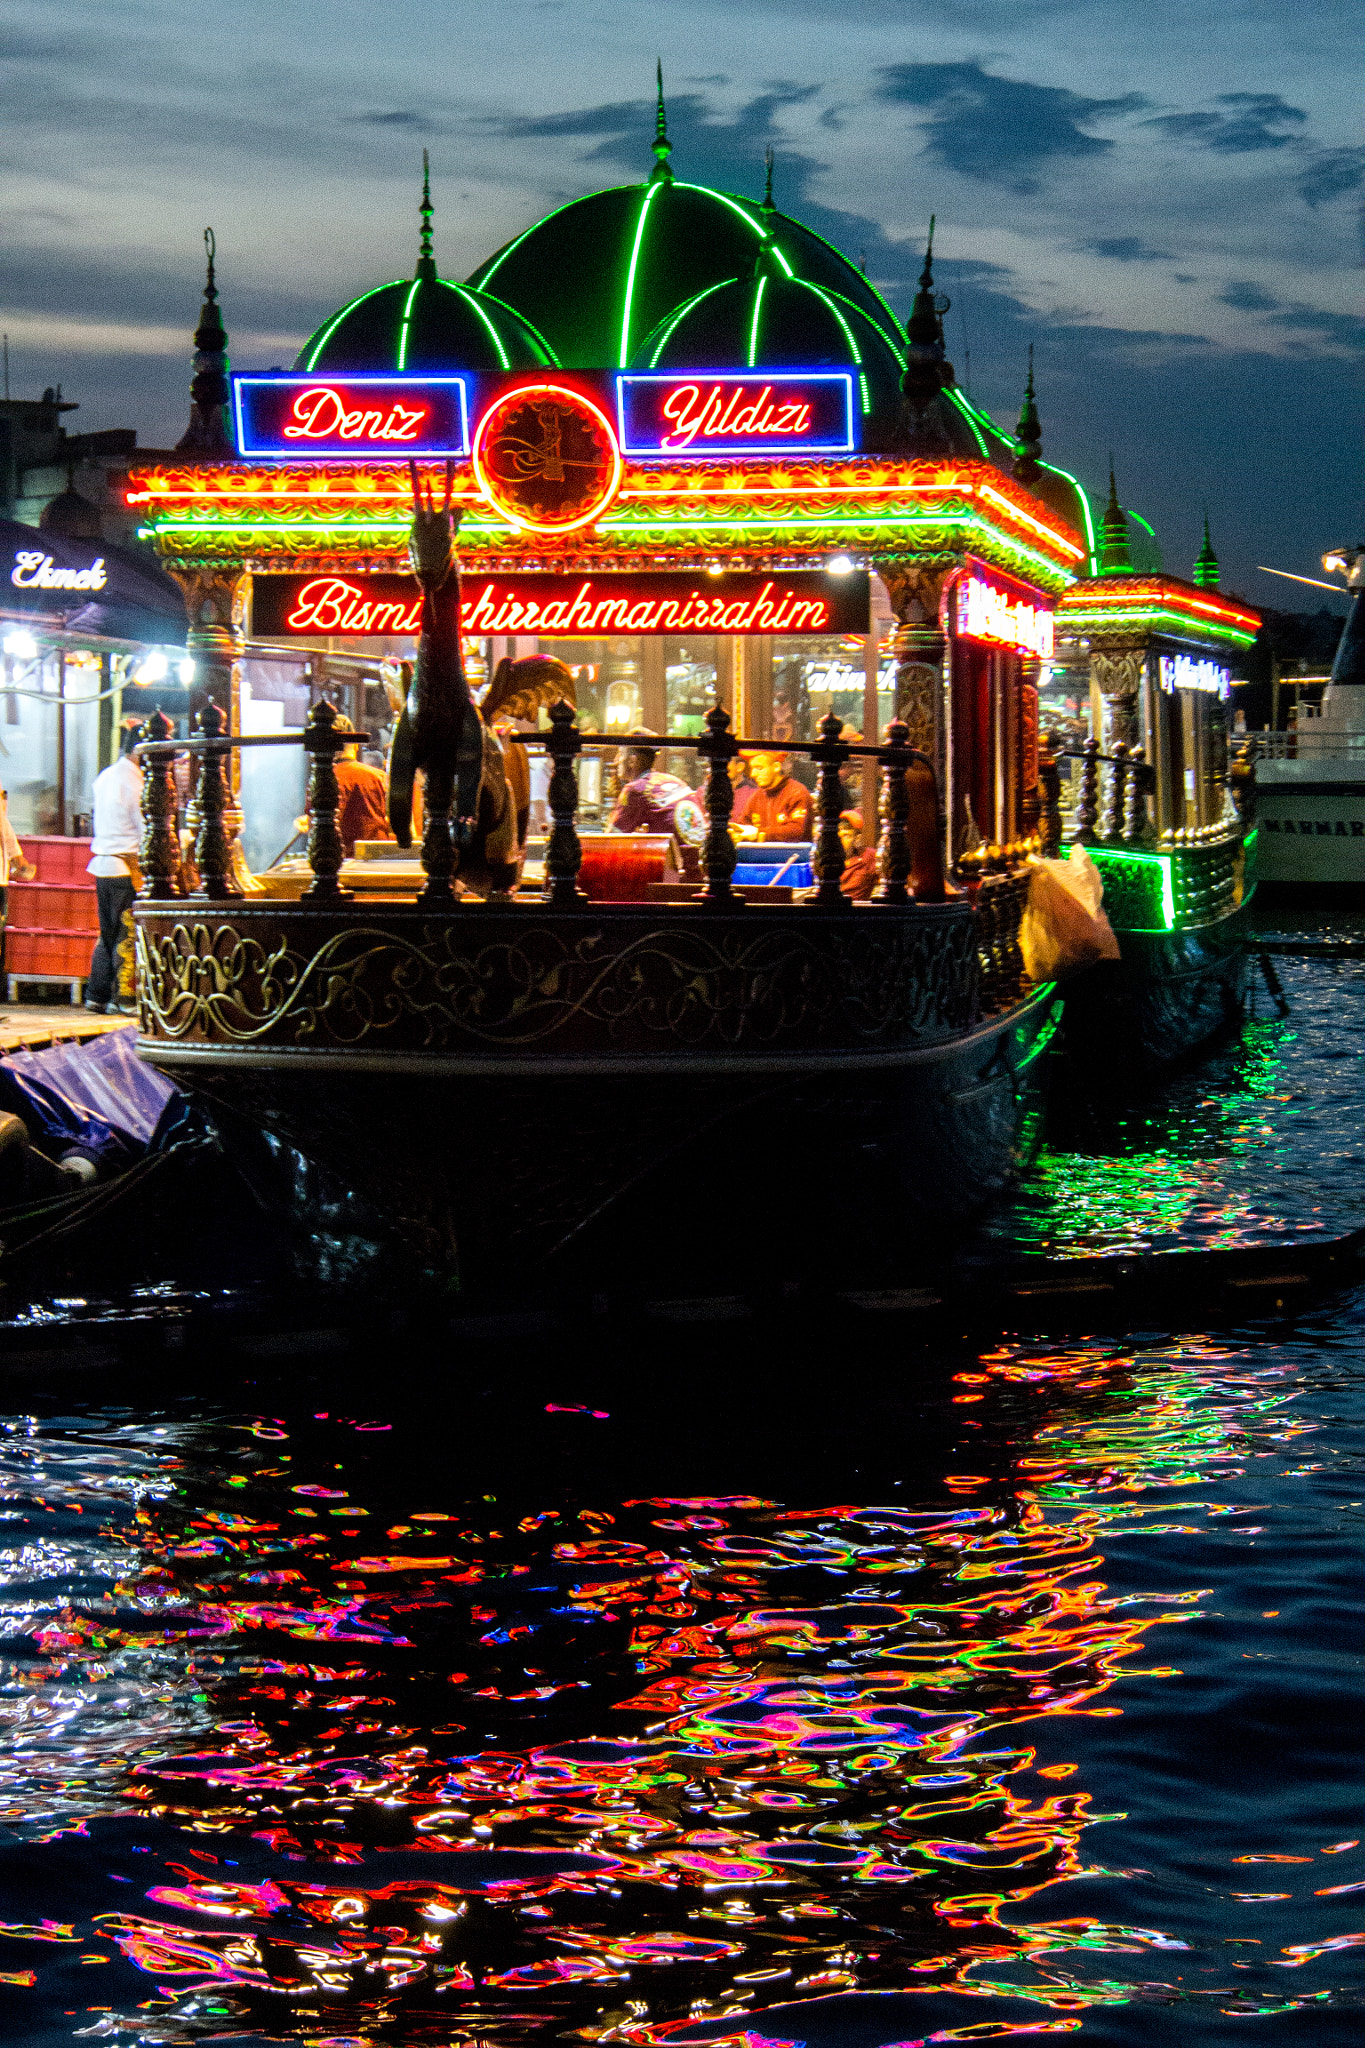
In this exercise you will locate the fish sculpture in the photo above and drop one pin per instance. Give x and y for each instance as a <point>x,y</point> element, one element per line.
<point>475,811</point>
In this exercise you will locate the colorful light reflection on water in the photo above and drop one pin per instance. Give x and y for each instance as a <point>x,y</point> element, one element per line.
<point>1034,1714</point>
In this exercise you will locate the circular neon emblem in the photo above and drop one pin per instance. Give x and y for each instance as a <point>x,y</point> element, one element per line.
<point>546,458</point>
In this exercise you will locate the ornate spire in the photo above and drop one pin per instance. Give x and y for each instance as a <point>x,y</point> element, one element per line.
<point>662,147</point>
<point>1114,557</point>
<point>1028,439</point>
<point>207,435</point>
<point>928,371</point>
<point>1206,562</point>
<point>426,262</point>
<point>768,179</point>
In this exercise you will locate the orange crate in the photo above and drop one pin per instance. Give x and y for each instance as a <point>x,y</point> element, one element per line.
<point>62,955</point>
<point>58,859</point>
<point>52,906</point>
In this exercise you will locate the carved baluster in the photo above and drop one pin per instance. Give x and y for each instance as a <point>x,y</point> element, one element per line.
<point>718,857</point>
<point>1087,813</point>
<point>325,851</point>
<point>986,914</point>
<point>438,847</point>
<point>1015,890</point>
<point>213,842</point>
<point>893,847</point>
<point>1135,805</point>
<point>829,847</point>
<point>1050,791</point>
<point>160,854</point>
<point>1112,827</point>
<point>563,853</point>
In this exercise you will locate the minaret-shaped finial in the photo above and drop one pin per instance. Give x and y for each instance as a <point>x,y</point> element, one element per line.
<point>928,371</point>
<point>207,436</point>
<point>1028,439</point>
<point>426,262</point>
<point>1206,562</point>
<point>1114,557</point>
<point>662,147</point>
<point>768,179</point>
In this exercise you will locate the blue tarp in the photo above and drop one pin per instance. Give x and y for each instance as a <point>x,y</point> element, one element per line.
<point>96,1095</point>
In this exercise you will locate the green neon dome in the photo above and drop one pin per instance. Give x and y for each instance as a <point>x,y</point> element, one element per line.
<point>600,274</point>
<point>774,322</point>
<point>425,323</point>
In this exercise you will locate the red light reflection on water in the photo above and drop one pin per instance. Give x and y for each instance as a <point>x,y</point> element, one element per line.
<point>703,1757</point>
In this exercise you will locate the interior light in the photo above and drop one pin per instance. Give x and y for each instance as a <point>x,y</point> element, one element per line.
<point>186,670</point>
<point>22,645</point>
<point>153,669</point>
<point>1337,562</point>
<point>841,565</point>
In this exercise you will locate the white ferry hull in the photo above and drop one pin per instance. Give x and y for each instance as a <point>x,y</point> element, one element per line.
<point>1311,831</point>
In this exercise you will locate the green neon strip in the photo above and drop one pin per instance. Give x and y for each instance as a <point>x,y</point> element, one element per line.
<point>403,329</point>
<point>821,293</point>
<point>651,192</point>
<point>682,313</point>
<point>1082,621</point>
<point>753,323</point>
<point>479,278</point>
<point>1105,856</point>
<point>966,411</point>
<point>826,244</point>
<point>867,395</point>
<point>1048,1030</point>
<point>330,329</point>
<point>734,205</point>
<point>895,341</point>
<point>1084,497</point>
<point>1017,551</point>
<point>1140,520</point>
<point>521,318</point>
<point>493,334</point>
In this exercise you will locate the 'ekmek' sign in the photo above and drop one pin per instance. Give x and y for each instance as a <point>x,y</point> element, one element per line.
<point>33,570</point>
<point>731,412</point>
<point>311,419</point>
<point>1005,615</point>
<point>591,607</point>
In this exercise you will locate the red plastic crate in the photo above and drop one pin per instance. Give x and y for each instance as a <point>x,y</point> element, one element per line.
<point>52,906</point>
<point>58,859</point>
<point>63,955</point>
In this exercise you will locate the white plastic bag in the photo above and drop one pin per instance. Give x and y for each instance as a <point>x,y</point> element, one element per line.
<point>1064,927</point>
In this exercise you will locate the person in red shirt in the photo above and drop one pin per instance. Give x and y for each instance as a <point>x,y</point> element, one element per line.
<point>781,807</point>
<point>363,797</point>
<point>859,877</point>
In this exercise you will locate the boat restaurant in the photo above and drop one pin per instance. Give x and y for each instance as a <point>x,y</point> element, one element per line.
<point>701,478</point>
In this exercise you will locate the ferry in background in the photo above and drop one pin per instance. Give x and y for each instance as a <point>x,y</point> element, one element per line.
<point>1310,781</point>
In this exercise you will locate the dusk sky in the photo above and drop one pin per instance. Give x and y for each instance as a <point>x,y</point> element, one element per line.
<point>1166,199</point>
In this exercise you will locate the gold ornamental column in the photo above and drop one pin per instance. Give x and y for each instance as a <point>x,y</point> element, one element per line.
<point>215,605</point>
<point>915,589</point>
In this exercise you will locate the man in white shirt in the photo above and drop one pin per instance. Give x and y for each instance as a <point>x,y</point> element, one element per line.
<point>114,864</point>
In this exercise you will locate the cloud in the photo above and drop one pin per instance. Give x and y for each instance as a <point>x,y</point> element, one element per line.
<point>1332,172</point>
<point>403,118</point>
<point>1125,249</point>
<point>1252,121</point>
<point>609,123</point>
<point>1003,130</point>
<point>1248,298</point>
<point>1344,328</point>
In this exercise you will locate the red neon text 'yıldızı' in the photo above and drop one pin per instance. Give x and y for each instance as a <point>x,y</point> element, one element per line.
<point>717,416</point>
<point>329,604</point>
<point>323,414</point>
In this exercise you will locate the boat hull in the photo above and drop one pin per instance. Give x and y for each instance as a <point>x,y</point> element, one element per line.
<point>508,1099</point>
<point>1167,996</point>
<point>1312,828</point>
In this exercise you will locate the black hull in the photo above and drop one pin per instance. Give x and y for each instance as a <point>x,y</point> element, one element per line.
<point>515,1182</point>
<point>1168,996</point>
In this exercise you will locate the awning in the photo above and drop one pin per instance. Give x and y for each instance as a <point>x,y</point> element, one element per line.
<point>87,587</point>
